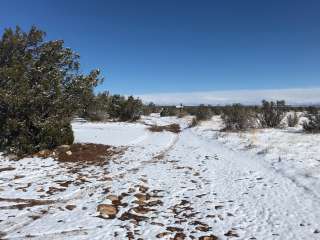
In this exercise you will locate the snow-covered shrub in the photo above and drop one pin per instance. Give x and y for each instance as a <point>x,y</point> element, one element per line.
<point>312,124</point>
<point>237,117</point>
<point>292,119</point>
<point>271,113</point>
<point>40,90</point>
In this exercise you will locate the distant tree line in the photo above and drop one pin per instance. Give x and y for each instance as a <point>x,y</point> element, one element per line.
<point>270,114</point>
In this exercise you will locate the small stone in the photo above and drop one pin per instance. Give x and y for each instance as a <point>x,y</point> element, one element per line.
<point>231,233</point>
<point>179,236</point>
<point>116,200</point>
<point>107,211</point>
<point>63,148</point>
<point>69,153</point>
<point>71,207</point>
<point>203,228</point>
<point>211,237</point>
<point>143,189</point>
<point>142,197</point>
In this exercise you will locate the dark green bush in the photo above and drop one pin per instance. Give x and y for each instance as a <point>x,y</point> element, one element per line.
<point>131,109</point>
<point>40,90</point>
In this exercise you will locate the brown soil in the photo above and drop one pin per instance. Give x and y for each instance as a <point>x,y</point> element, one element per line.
<point>24,203</point>
<point>7,169</point>
<point>175,128</point>
<point>211,237</point>
<point>87,153</point>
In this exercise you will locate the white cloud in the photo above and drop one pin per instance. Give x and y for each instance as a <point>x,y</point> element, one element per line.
<point>291,96</point>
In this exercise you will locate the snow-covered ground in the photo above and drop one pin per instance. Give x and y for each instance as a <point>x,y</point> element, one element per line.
<point>200,182</point>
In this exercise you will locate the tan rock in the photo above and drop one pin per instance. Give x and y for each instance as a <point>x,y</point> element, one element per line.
<point>107,210</point>
<point>63,148</point>
<point>142,197</point>
<point>68,153</point>
<point>116,200</point>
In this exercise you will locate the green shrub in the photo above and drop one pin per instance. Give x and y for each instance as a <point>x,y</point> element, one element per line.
<point>131,109</point>
<point>40,90</point>
<point>237,117</point>
<point>271,113</point>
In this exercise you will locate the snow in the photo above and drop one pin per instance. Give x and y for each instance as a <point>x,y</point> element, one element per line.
<point>116,134</point>
<point>261,184</point>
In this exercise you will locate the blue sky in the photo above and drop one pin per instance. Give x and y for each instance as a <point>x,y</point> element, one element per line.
<point>145,47</point>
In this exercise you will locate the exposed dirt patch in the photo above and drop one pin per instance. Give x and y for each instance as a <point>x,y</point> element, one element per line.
<point>7,169</point>
<point>210,237</point>
<point>88,153</point>
<point>92,153</point>
<point>175,128</point>
<point>24,203</point>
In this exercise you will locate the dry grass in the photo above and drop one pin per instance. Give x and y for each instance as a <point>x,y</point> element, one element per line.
<point>175,128</point>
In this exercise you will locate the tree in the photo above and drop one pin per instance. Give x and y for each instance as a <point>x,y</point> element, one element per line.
<point>116,105</point>
<point>131,109</point>
<point>41,87</point>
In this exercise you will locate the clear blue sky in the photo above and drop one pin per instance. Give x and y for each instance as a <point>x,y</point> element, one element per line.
<point>183,46</point>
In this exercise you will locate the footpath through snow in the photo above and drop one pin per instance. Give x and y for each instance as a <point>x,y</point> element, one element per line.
<point>191,185</point>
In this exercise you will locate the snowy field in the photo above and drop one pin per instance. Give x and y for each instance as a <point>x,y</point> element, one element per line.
<point>198,184</point>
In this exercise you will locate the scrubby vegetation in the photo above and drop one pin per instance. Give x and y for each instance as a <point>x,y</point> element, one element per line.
<point>41,88</point>
<point>169,111</point>
<point>116,107</point>
<point>312,125</point>
<point>203,113</point>
<point>292,119</point>
<point>271,113</point>
<point>237,117</point>
<point>175,128</point>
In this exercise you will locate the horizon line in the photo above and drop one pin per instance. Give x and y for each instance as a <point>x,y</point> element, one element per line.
<point>292,96</point>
